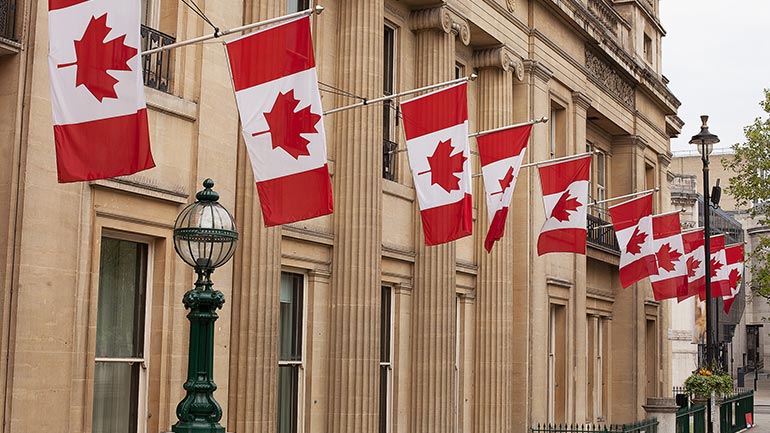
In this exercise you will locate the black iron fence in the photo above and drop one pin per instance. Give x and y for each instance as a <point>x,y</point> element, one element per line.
<point>733,411</point>
<point>8,19</point>
<point>646,426</point>
<point>691,419</point>
<point>156,67</point>
<point>601,235</point>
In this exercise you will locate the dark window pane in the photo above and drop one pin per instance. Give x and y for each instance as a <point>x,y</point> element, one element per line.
<point>116,388</point>
<point>291,317</point>
<point>383,425</point>
<point>288,387</point>
<point>120,310</point>
<point>297,5</point>
<point>385,325</point>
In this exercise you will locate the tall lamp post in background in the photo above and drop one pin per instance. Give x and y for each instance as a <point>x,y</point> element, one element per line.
<point>205,237</point>
<point>705,142</point>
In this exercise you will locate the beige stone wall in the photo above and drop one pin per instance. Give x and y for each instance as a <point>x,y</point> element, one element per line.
<point>692,164</point>
<point>480,342</point>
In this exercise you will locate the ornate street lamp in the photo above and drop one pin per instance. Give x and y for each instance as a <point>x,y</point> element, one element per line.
<point>705,142</point>
<point>205,237</point>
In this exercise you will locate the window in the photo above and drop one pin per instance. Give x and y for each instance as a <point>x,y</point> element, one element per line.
<point>648,48</point>
<point>386,366</point>
<point>156,68</point>
<point>8,20</point>
<point>652,358</point>
<point>297,5</point>
<point>389,110</point>
<point>596,389</point>
<point>290,352</point>
<point>557,134</point>
<point>557,364</point>
<point>459,70</point>
<point>120,370</point>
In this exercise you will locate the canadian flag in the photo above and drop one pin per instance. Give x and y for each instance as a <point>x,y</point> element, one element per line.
<point>734,256</point>
<point>565,197</point>
<point>276,89</point>
<point>501,154</point>
<point>720,276</point>
<point>695,259</point>
<point>633,227</point>
<point>436,129</point>
<point>97,91</point>
<point>671,279</point>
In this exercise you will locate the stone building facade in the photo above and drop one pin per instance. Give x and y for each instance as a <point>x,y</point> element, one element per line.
<point>345,323</point>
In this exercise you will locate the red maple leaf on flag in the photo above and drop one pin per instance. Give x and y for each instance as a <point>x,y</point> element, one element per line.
<point>564,206</point>
<point>667,256</point>
<point>444,165</point>
<point>692,265</point>
<point>635,243</point>
<point>95,57</point>
<point>734,277</point>
<point>286,125</point>
<point>505,182</point>
<point>715,266</point>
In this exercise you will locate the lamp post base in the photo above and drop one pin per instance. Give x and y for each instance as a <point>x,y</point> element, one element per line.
<point>197,427</point>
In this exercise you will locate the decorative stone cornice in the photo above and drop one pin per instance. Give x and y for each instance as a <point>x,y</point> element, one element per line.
<point>538,70</point>
<point>441,18</point>
<point>501,57</point>
<point>606,76</point>
<point>581,100</point>
<point>664,159</point>
<point>629,140</point>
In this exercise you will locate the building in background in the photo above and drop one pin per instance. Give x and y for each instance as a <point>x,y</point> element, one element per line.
<point>346,323</point>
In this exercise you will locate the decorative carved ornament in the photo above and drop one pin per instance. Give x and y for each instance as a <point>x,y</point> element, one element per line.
<point>441,18</point>
<point>500,57</point>
<point>610,79</point>
<point>511,4</point>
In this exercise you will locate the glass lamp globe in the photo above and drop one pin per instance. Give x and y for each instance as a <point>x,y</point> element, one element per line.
<point>205,236</point>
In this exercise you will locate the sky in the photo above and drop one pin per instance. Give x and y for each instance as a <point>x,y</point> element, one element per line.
<point>716,55</point>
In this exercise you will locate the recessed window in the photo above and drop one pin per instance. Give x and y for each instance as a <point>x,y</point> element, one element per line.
<point>120,374</point>
<point>386,366</point>
<point>648,48</point>
<point>290,351</point>
<point>557,134</point>
<point>389,107</point>
<point>297,5</point>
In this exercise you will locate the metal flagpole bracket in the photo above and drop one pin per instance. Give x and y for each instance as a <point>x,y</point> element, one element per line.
<point>503,128</point>
<point>400,94</point>
<point>621,197</point>
<point>217,33</point>
<point>547,161</point>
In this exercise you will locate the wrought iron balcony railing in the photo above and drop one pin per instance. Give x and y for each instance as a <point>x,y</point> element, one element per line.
<point>156,68</point>
<point>388,159</point>
<point>8,19</point>
<point>601,235</point>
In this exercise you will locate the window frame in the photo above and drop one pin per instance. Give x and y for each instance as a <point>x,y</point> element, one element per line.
<point>390,108</point>
<point>143,386</point>
<point>300,363</point>
<point>388,365</point>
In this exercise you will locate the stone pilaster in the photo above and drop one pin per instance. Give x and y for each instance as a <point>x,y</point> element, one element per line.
<point>434,336</point>
<point>253,387</point>
<point>493,382</point>
<point>354,343</point>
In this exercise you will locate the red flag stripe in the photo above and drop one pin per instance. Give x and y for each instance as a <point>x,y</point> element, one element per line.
<point>717,243</point>
<point>296,197</point>
<point>503,144</point>
<point>435,111</point>
<point>670,288</point>
<point>61,4</point>
<point>665,225</point>
<point>692,241</point>
<point>734,254</point>
<point>552,182</point>
<point>446,223</point>
<point>628,214</point>
<point>104,148</point>
<point>728,303</point>
<point>565,240</point>
<point>638,270</point>
<point>274,53</point>
<point>496,228</point>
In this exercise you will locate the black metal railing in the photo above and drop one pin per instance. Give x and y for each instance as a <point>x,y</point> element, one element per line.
<point>691,419</point>
<point>156,67</point>
<point>733,410</point>
<point>601,235</point>
<point>646,426</point>
<point>8,19</point>
<point>389,159</point>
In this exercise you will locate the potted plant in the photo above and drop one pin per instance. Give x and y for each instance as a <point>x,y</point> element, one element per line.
<point>704,382</point>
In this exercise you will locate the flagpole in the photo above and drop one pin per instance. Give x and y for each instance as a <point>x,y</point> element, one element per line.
<point>548,161</point>
<point>660,214</point>
<point>633,194</point>
<point>400,94</point>
<point>219,33</point>
<point>503,128</point>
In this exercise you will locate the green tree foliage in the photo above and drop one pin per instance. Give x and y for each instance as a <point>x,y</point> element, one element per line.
<point>751,189</point>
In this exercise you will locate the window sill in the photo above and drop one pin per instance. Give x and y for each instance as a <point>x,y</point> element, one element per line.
<point>170,104</point>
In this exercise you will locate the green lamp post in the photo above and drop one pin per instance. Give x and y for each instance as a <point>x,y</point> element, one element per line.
<point>205,237</point>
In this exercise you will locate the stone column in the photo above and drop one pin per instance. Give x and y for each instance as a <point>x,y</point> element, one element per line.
<point>354,343</point>
<point>493,384</point>
<point>433,313</point>
<point>664,409</point>
<point>253,387</point>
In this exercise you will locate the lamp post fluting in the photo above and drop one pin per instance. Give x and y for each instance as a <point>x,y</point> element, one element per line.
<point>205,237</point>
<point>705,142</point>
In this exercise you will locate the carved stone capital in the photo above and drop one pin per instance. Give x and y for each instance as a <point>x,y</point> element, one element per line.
<point>581,100</point>
<point>501,57</point>
<point>664,159</point>
<point>629,140</point>
<point>441,18</point>
<point>538,70</point>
